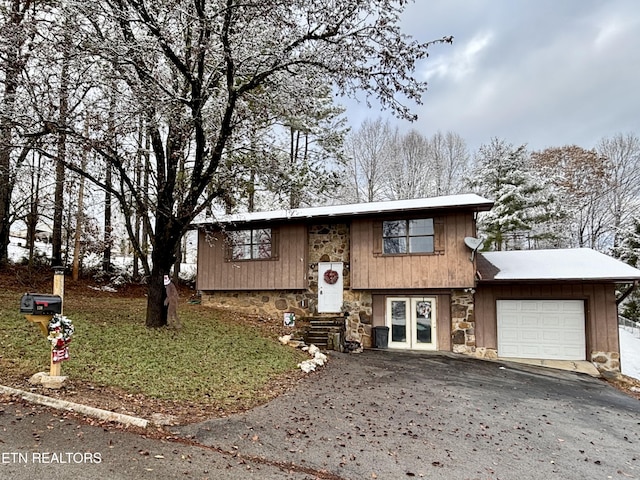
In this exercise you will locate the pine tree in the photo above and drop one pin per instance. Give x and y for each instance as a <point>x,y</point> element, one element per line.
<point>526,211</point>
<point>629,252</point>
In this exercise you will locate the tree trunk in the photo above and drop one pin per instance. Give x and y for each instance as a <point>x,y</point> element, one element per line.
<point>176,264</point>
<point>146,234</point>
<point>108,228</point>
<point>106,253</point>
<point>156,312</point>
<point>138,214</point>
<point>79,221</point>
<point>56,257</point>
<point>11,68</point>
<point>32,216</point>
<point>167,239</point>
<point>58,206</point>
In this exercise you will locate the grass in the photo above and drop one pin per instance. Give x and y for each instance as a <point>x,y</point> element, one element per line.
<point>213,359</point>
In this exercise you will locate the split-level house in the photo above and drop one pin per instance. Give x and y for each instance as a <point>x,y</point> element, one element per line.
<point>408,274</point>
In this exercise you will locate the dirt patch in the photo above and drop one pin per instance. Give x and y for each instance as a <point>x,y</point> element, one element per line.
<point>628,385</point>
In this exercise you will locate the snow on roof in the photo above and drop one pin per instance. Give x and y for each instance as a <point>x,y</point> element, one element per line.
<point>471,201</point>
<point>561,264</point>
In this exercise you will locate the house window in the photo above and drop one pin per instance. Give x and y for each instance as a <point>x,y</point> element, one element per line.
<point>408,236</point>
<point>255,244</point>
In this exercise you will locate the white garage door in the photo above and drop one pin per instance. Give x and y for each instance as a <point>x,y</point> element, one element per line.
<point>545,329</point>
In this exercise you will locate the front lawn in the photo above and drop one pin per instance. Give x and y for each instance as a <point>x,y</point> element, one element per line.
<point>217,359</point>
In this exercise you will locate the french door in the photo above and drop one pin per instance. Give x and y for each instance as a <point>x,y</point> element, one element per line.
<point>412,322</point>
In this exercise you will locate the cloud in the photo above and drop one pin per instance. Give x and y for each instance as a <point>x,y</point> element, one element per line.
<point>462,63</point>
<point>544,72</point>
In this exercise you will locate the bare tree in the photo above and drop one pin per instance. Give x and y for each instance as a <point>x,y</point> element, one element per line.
<point>17,28</point>
<point>448,159</point>
<point>201,70</point>
<point>368,150</point>
<point>407,170</point>
<point>622,152</point>
<point>582,179</point>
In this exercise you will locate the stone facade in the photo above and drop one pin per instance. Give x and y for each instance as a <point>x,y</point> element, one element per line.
<point>606,361</point>
<point>268,305</point>
<point>488,353</point>
<point>328,243</point>
<point>463,337</point>
<point>358,309</point>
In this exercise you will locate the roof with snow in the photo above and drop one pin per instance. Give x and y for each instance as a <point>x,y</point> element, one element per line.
<point>560,264</point>
<point>469,201</point>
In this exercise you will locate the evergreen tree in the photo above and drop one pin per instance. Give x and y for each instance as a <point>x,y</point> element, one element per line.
<point>629,252</point>
<point>526,213</point>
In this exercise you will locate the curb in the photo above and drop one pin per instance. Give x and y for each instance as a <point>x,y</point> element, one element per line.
<point>76,407</point>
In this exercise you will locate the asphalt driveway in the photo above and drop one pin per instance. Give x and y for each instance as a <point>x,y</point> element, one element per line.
<point>391,415</point>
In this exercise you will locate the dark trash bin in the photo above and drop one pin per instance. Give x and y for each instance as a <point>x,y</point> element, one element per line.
<point>381,337</point>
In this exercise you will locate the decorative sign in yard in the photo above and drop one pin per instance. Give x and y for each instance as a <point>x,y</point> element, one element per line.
<point>289,319</point>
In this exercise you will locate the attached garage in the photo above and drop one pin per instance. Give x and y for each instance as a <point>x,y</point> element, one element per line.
<point>550,305</point>
<point>550,329</point>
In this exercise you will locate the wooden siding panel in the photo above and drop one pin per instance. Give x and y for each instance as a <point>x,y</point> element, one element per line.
<point>612,319</point>
<point>452,269</point>
<point>443,311</point>
<point>286,273</point>
<point>606,323</point>
<point>378,306</point>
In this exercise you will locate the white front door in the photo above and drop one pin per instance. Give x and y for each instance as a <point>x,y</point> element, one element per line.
<point>541,329</point>
<point>412,322</point>
<point>330,285</point>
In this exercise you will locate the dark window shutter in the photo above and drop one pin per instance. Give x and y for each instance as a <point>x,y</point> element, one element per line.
<point>377,237</point>
<point>439,231</point>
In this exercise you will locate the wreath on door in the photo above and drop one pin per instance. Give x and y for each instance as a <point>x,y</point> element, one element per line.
<point>331,277</point>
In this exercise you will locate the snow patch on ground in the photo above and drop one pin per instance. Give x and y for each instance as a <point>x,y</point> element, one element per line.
<point>630,352</point>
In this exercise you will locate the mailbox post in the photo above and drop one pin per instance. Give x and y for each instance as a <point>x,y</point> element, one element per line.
<point>40,308</point>
<point>58,289</point>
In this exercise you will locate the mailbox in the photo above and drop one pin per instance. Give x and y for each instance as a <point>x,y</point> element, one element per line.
<point>40,304</point>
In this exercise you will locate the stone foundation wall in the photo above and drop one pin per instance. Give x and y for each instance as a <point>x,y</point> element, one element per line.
<point>358,307</point>
<point>267,305</point>
<point>463,323</point>
<point>606,361</point>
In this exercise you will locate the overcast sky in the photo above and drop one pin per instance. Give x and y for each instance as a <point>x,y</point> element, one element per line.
<point>541,72</point>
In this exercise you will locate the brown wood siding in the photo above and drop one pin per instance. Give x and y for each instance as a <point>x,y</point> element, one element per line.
<point>451,269</point>
<point>287,272</point>
<point>600,310</point>
<point>444,323</point>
